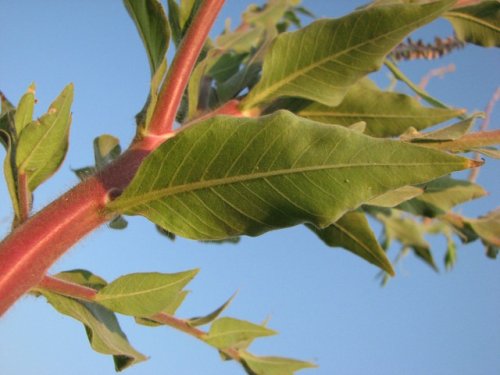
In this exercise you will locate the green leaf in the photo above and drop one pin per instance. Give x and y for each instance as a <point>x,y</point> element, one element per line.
<point>352,232</point>
<point>174,21</point>
<point>202,320</point>
<point>410,234</point>
<point>228,333</point>
<point>321,61</point>
<point>103,331</point>
<point>84,173</point>
<point>441,195</point>
<point>82,277</point>
<point>10,174</point>
<point>118,222</point>
<point>170,310</point>
<point>6,126</point>
<point>488,228</point>
<point>6,105</point>
<point>106,149</point>
<point>386,114</point>
<point>478,24</point>
<point>151,22</point>
<point>448,133</point>
<point>490,152</point>
<point>395,197</point>
<point>143,294</point>
<point>229,176</point>
<point>42,144</point>
<point>273,365</point>
<point>25,108</point>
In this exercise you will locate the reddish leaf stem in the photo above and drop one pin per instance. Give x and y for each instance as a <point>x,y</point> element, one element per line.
<point>24,198</point>
<point>182,66</point>
<point>81,292</point>
<point>28,252</point>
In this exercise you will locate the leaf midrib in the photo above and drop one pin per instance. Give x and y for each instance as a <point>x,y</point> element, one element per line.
<point>60,111</point>
<point>105,297</point>
<point>270,89</point>
<point>473,19</point>
<point>123,203</point>
<point>364,114</point>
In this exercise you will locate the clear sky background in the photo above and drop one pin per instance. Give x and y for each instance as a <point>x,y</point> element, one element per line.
<point>326,303</point>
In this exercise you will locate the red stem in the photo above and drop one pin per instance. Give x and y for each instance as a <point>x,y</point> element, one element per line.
<point>81,292</point>
<point>28,252</point>
<point>24,197</point>
<point>182,66</point>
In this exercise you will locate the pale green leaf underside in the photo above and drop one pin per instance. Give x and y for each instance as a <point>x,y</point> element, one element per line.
<point>143,294</point>
<point>321,61</point>
<point>386,114</point>
<point>478,24</point>
<point>394,197</point>
<point>43,143</point>
<point>274,365</point>
<point>352,232</point>
<point>103,330</point>
<point>227,176</point>
<point>25,108</point>
<point>229,333</point>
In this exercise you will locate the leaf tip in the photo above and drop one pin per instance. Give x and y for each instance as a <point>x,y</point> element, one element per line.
<point>470,163</point>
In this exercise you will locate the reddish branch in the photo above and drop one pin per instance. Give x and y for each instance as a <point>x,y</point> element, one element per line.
<point>179,72</point>
<point>84,293</point>
<point>28,252</point>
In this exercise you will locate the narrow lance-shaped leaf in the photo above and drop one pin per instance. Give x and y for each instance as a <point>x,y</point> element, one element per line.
<point>143,294</point>
<point>227,176</point>
<point>25,108</point>
<point>410,234</point>
<point>11,176</point>
<point>386,114</point>
<point>103,331</point>
<point>43,143</point>
<point>321,61</point>
<point>488,228</point>
<point>478,23</point>
<point>152,24</point>
<point>394,197</point>
<point>447,133</point>
<point>227,333</point>
<point>269,365</point>
<point>441,195</point>
<point>202,320</point>
<point>352,232</point>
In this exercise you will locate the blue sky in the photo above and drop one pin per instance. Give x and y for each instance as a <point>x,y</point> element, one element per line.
<point>325,302</point>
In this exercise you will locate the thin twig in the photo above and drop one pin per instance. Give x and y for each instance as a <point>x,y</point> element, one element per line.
<point>420,92</point>
<point>84,293</point>
<point>474,173</point>
<point>437,72</point>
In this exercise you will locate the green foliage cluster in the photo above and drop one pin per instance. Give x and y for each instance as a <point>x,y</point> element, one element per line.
<point>316,143</point>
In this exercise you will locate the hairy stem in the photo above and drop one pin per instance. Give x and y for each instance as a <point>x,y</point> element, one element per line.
<point>24,198</point>
<point>182,66</point>
<point>28,252</point>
